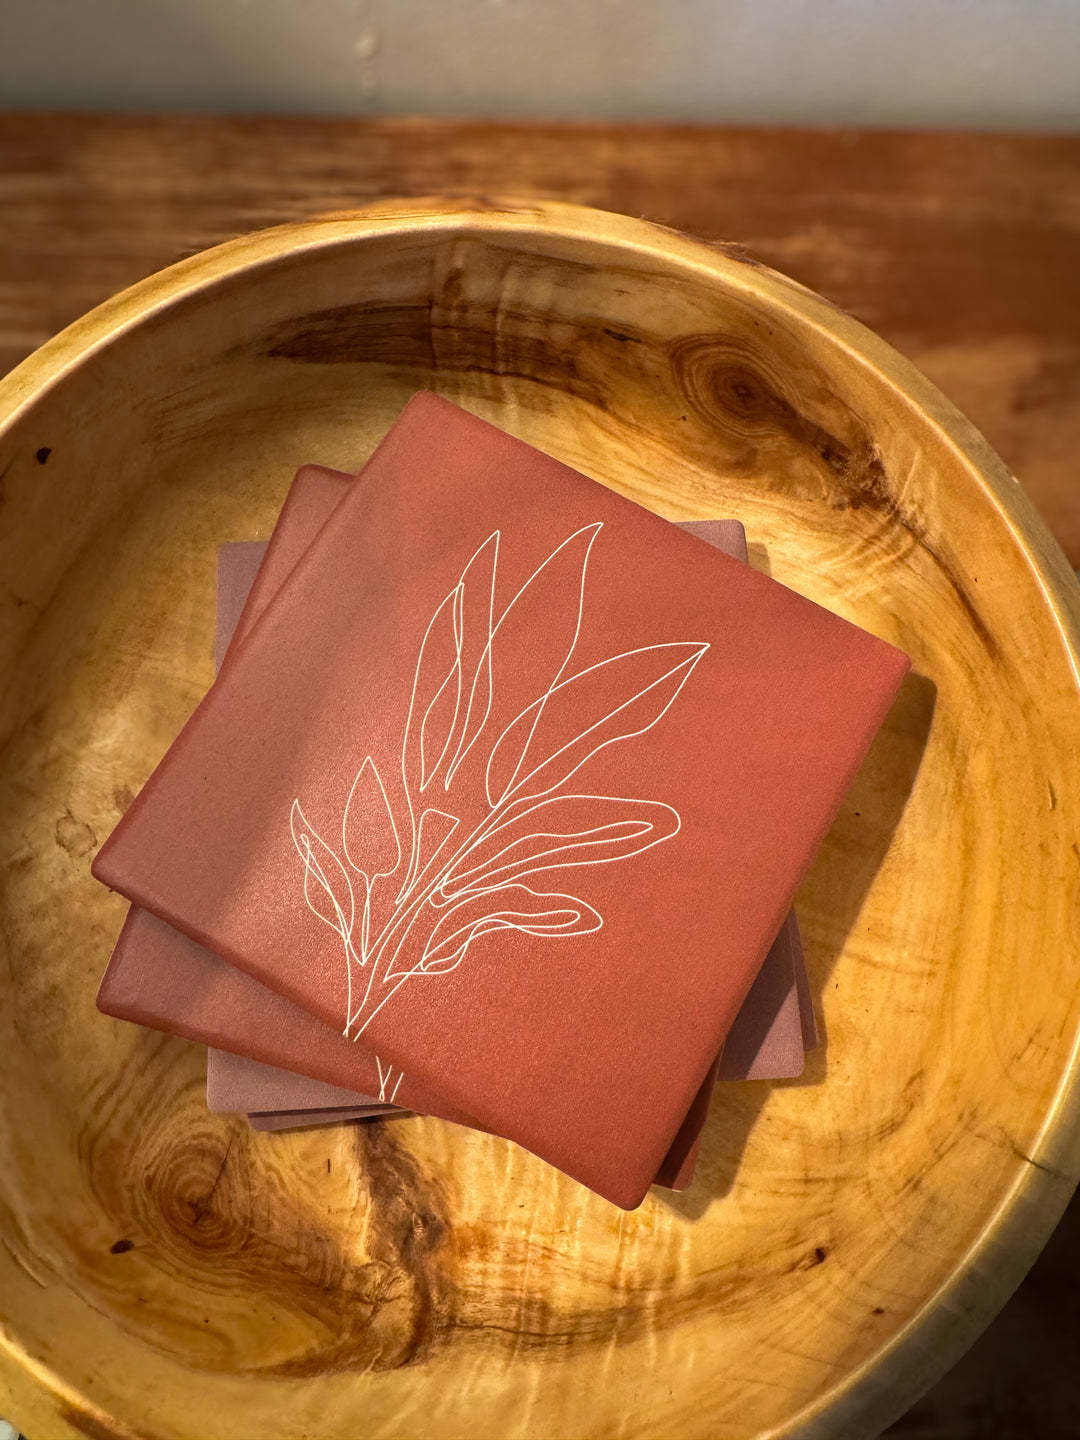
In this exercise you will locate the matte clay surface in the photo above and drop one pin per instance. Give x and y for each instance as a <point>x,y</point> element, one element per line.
<point>157,977</point>
<point>767,1039</point>
<point>237,1085</point>
<point>778,1053</point>
<point>374,1294</point>
<point>473,692</point>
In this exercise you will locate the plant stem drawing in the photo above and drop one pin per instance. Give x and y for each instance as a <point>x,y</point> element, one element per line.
<point>483,815</point>
<point>386,1074</point>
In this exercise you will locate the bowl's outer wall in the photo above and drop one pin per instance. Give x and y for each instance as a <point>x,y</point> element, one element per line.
<point>847,1234</point>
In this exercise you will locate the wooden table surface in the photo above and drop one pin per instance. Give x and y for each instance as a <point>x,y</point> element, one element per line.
<point>963,251</point>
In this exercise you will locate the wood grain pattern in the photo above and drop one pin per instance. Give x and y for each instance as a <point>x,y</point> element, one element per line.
<point>164,1271</point>
<point>959,249</point>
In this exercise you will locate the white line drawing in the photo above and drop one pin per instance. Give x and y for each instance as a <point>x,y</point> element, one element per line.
<point>449,874</point>
<point>385,1076</point>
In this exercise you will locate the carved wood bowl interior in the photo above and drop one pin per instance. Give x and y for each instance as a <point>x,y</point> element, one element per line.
<point>166,1272</point>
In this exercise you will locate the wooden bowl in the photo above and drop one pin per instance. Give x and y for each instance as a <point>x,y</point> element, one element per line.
<point>166,1273</point>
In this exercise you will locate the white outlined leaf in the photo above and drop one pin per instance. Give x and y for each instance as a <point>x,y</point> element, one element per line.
<point>368,834</point>
<point>614,700</point>
<point>476,622</point>
<point>435,676</point>
<point>327,887</point>
<point>432,833</point>
<point>560,832</point>
<point>532,641</point>
<point>437,727</point>
<point>510,907</point>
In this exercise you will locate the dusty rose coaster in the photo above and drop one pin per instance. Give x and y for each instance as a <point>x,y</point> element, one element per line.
<point>305,1119</point>
<point>235,1083</point>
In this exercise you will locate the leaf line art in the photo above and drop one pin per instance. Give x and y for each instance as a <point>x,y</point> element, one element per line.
<point>498,724</point>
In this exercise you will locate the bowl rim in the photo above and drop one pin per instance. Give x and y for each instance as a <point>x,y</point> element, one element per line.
<point>508,217</point>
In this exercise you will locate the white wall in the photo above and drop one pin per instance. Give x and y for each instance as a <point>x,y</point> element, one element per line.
<point>986,63</point>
